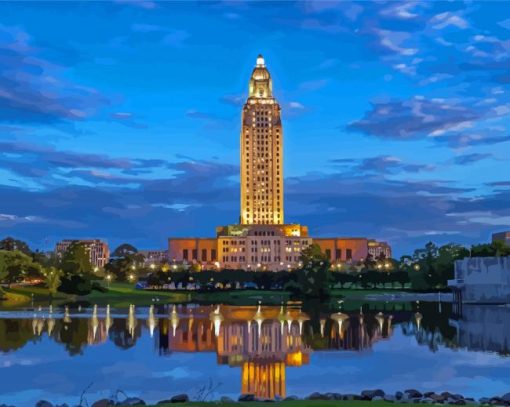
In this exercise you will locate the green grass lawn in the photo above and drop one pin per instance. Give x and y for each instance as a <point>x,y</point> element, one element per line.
<point>293,403</point>
<point>123,294</point>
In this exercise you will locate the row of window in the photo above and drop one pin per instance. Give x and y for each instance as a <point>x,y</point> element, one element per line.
<point>204,255</point>
<point>338,254</point>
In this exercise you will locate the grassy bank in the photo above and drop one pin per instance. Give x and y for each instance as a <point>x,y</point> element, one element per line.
<point>124,294</point>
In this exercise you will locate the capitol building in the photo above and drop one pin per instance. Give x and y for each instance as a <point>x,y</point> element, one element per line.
<point>262,240</point>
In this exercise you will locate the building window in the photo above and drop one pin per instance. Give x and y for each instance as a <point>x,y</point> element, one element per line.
<point>185,254</point>
<point>348,254</point>
<point>338,254</point>
<point>195,254</point>
<point>204,254</point>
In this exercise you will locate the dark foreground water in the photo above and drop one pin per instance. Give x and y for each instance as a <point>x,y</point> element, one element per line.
<point>209,351</point>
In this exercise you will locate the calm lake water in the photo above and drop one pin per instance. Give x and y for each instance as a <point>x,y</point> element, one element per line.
<point>211,351</point>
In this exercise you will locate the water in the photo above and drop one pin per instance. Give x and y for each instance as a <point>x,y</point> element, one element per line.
<point>210,351</point>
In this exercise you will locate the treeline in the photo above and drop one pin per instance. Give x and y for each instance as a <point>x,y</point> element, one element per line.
<point>428,268</point>
<point>71,273</point>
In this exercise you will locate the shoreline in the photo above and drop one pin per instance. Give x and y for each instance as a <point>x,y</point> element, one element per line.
<point>366,398</point>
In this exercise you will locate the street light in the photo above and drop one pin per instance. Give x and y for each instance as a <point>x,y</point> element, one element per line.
<point>417,267</point>
<point>108,278</point>
<point>153,266</point>
<point>131,277</point>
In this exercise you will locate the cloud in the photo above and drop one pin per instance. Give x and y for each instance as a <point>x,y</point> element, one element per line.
<point>390,164</point>
<point>393,41</point>
<point>32,89</point>
<point>147,5</point>
<point>127,119</point>
<point>413,118</point>
<point>446,19</point>
<point>467,159</point>
<point>462,140</point>
<point>295,105</point>
<point>48,166</point>
<point>233,100</point>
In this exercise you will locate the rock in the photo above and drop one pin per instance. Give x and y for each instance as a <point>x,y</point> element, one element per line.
<point>317,396</point>
<point>333,396</point>
<point>370,394</point>
<point>225,399</point>
<point>350,397</point>
<point>399,395</point>
<point>43,403</point>
<point>103,403</point>
<point>132,401</point>
<point>389,398</point>
<point>179,398</point>
<point>291,398</point>
<point>246,397</point>
<point>413,394</point>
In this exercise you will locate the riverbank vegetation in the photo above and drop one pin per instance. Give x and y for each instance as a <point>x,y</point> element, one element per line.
<point>28,276</point>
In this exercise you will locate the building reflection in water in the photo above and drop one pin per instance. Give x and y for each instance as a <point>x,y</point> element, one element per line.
<point>483,328</point>
<point>261,341</point>
<point>264,341</point>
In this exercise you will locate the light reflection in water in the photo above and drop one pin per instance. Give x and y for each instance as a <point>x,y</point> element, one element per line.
<point>262,341</point>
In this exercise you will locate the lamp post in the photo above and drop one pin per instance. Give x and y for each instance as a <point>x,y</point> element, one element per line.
<point>108,278</point>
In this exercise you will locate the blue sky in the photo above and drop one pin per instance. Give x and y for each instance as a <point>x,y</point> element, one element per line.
<point>120,120</point>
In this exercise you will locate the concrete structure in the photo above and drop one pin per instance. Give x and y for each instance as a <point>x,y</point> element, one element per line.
<point>98,250</point>
<point>481,280</point>
<point>483,328</point>
<point>154,256</point>
<point>261,152</point>
<point>501,237</point>
<point>261,240</point>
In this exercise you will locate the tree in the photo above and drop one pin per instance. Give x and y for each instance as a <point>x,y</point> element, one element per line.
<point>53,280</point>
<point>314,278</point>
<point>494,249</point>
<point>124,250</point>
<point>11,244</point>
<point>15,266</point>
<point>76,260</point>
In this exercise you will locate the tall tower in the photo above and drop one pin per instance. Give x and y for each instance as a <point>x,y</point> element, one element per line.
<point>261,152</point>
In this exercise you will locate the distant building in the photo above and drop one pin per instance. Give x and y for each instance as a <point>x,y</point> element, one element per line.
<point>501,237</point>
<point>154,256</point>
<point>377,249</point>
<point>98,250</point>
<point>262,241</point>
<point>481,280</point>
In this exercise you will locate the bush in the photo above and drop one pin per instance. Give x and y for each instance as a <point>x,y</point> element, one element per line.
<point>75,284</point>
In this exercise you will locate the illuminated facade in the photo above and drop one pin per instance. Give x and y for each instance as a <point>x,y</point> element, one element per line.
<point>261,240</point>
<point>99,253</point>
<point>261,152</point>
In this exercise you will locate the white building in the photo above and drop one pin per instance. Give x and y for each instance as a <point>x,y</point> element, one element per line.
<point>99,252</point>
<point>154,256</point>
<point>482,280</point>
